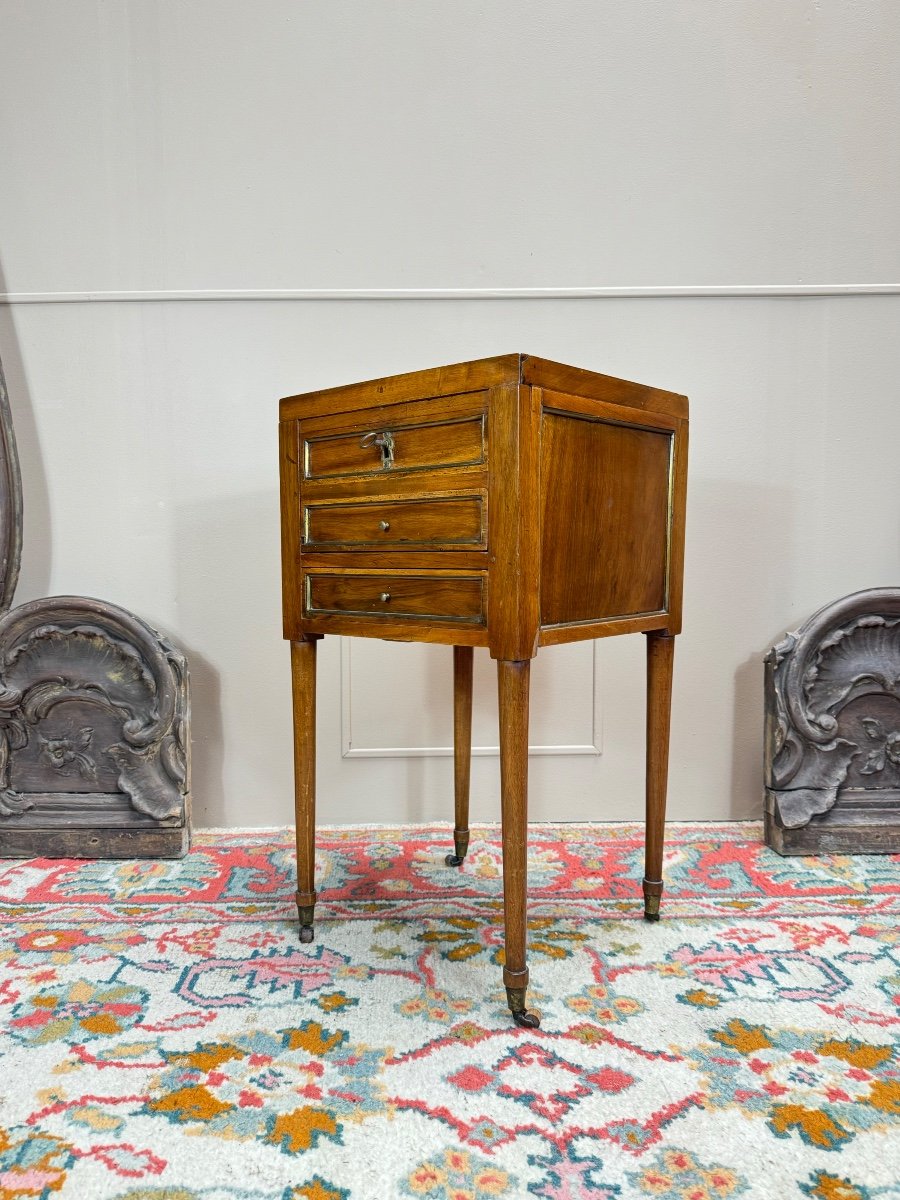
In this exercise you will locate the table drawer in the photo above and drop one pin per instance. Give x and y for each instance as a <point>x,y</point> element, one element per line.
<point>394,448</point>
<point>424,597</point>
<point>451,521</point>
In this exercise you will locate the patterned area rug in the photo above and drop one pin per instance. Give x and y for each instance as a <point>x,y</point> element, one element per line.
<point>166,1037</point>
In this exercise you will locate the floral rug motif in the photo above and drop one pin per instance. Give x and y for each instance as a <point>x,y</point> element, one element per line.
<point>165,1036</point>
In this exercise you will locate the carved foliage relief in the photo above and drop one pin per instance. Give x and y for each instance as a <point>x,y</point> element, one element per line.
<point>91,700</point>
<point>833,706</point>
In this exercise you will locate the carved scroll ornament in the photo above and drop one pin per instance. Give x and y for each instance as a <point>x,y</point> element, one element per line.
<point>70,648</point>
<point>846,651</point>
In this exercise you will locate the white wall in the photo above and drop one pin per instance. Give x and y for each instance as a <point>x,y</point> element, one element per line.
<point>167,146</point>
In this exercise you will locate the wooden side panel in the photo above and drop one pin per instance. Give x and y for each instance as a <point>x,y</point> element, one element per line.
<point>513,533</point>
<point>605,505</point>
<point>676,543</point>
<point>289,469</point>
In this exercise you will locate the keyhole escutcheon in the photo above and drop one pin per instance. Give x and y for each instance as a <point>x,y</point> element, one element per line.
<point>384,440</point>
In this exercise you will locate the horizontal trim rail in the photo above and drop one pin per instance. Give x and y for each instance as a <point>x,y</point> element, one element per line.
<point>699,291</point>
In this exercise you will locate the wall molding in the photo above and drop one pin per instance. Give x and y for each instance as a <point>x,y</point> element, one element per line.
<point>351,750</point>
<point>699,291</point>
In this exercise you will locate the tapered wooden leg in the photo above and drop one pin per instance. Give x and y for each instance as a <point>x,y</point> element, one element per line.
<point>303,678</point>
<point>660,659</point>
<point>513,680</point>
<point>462,750</point>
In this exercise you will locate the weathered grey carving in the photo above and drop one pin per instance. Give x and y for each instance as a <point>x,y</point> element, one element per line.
<point>833,729</point>
<point>94,716</point>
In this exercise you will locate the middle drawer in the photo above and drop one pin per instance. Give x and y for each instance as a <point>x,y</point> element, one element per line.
<point>445,521</point>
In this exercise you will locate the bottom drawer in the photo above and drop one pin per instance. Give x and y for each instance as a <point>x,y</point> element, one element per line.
<point>425,597</point>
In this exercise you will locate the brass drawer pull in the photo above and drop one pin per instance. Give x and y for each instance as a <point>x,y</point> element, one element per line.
<point>385,597</point>
<point>385,442</point>
<point>385,525</point>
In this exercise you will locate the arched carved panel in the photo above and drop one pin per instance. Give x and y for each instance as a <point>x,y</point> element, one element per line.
<point>94,713</point>
<point>833,729</point>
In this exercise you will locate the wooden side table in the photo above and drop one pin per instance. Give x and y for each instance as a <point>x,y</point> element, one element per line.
<point>511,503</point>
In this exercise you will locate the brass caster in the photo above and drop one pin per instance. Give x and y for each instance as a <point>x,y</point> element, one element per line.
<point>515,997</point>
<point>652,894</point>
<point>305,913</point>
<point>460,845</point>
<point>527,1020</point>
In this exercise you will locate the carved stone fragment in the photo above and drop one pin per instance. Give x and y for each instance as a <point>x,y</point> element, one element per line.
<point>832,738</point>
<point>94,716</point>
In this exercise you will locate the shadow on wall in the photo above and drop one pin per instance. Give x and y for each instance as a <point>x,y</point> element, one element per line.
<point>747,757</point>
<point>741,584</point>
<point>37,547</point>
<point>228,581</point>
<point>206,739</point>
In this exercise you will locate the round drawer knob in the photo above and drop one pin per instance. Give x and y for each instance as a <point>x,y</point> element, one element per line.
<point>385,597</point>
<point>385,525</point>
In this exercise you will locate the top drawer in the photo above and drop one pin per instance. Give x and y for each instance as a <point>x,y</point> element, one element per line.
<point>388,446</point>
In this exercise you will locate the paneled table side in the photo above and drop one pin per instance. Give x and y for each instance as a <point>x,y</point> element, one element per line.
<point>511,503</point>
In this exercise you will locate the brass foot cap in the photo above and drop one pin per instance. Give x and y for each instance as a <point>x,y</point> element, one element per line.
<point>527,1020</point>
<point>652,896</point>
<point>515,998</point>
<point>305,913</point>
<point>460,846</point>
